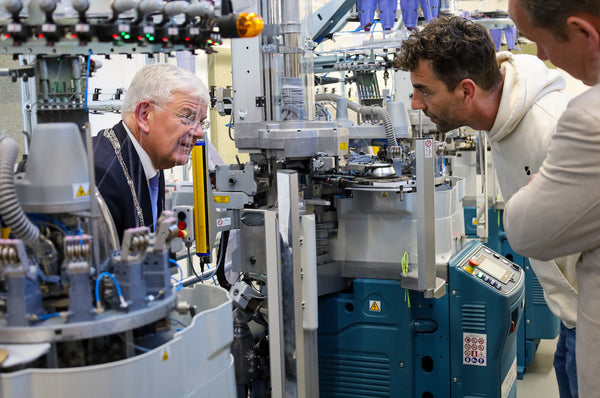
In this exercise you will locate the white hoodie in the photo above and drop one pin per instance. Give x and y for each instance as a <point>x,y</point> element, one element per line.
<point>532,102</point>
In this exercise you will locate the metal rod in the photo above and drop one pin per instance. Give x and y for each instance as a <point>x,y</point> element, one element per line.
<point>425,210</point>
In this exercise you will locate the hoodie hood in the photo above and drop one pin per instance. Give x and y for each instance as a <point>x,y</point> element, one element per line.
<point>526,79</point>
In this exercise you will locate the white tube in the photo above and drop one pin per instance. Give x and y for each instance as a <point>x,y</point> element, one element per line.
<point>150,6</point>
<point>120,6</point>
<point>175,7</point>
<point>10,210</point>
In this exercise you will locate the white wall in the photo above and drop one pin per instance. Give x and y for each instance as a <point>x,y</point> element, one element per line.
<point>481,5</point>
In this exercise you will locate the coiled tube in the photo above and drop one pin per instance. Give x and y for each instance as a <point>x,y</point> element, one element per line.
<point>10,209</point>
<point>367,110</point>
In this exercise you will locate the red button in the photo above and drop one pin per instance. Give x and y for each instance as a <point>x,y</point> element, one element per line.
<point>473,263</point>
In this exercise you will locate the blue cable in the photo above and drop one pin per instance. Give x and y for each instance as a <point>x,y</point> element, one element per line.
<point>54,220</point>
<point>374,25</point>
<point>47,278</point>
<point>48,316</point>
<point>179,285</point>
<point>213,278</point>
<point>87,80</point>
<point>444,170</point>
<point>178,266</point>
<point>47,220</point>
<point>97,290</point>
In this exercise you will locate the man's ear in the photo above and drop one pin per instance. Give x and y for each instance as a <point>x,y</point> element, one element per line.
<point>466,90</point>
<point>142,116</point>
<point>586,29</point>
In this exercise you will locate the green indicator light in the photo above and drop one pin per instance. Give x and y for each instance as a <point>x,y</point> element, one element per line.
<point>127,37</point>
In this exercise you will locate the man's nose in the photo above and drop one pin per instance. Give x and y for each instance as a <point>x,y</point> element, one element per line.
<point>417,101</point>
<point>197,131</point>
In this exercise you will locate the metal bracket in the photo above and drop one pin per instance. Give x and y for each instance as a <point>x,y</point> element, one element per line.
<point>135,244</point>
<point>21,72</point>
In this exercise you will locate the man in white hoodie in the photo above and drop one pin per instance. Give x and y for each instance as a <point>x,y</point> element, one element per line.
<point>459,80</point>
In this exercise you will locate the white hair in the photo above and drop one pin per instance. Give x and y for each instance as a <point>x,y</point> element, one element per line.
<point>157,83</point>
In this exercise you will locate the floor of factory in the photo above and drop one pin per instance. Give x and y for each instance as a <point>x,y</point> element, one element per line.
<point>539,379</point>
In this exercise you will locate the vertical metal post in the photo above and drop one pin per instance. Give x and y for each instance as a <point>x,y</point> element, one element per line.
<point>310,303</point>
<point>289,229</point>
<point>276,349</point>
<point>482,203</point>
<point>94,205</point>
<point>28,98</point>
<point>425,209</point>
<point>290,10</point>
<point>129,343</point>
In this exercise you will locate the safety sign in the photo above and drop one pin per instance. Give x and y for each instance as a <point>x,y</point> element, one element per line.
<point>81,190</point>
<point>475,349</point>
<point>375,305</point>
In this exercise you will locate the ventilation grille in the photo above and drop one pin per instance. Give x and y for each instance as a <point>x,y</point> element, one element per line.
<point>354,375</point>
<point>473,317</point>
<point>537,293</point>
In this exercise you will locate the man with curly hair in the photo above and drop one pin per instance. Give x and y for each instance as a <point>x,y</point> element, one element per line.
<point>460,80</point>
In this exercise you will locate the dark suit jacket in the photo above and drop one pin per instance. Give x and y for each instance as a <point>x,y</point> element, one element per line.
<point>112,183</point>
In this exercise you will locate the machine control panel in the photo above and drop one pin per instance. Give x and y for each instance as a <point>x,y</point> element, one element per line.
<point>492,269</point>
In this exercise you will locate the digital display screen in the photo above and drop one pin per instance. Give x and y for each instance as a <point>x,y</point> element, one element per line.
<point>495,270</point>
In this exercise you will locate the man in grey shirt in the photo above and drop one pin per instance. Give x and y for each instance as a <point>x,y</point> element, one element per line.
<point>558,212</point>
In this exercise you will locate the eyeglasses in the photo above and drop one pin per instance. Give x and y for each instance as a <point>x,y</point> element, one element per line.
<point>187,117</point>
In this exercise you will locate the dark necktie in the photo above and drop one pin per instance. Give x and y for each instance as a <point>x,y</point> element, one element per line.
<point>154,198</point>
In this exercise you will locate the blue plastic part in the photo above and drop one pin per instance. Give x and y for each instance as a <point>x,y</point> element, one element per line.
<point>538,321</point>
<point>366,11</point>
<point>387,13</point>
<point>371,344</point>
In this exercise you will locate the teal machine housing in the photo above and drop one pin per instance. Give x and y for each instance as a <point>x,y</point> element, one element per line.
<point>538,321</point>
<point>377,340</point>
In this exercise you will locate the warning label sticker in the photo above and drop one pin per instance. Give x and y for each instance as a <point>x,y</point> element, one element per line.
<point>428,148</point>
<point>166,354</point>
<point>475,349</point>
<point>222,222</point>
<point>375,305</point>
<point>81,190</point>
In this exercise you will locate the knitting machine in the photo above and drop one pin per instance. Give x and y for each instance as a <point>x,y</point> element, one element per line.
<point>336,237</point>
<point>82,314</point>
<point>484,207</point>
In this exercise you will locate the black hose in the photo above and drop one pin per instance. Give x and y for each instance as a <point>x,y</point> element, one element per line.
<point>223,282</point>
